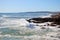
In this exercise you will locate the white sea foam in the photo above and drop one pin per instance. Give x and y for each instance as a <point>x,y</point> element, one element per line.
<point>48,16</point>
<point>21,25</point>
<point>6,16</point>
<point>14,22</point>
<point>33,37</point>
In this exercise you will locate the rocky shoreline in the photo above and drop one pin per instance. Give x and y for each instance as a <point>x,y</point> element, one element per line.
<point>47,28</point>
<point>55,19</point>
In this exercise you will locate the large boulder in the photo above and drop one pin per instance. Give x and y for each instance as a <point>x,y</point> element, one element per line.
<point>56,18</point>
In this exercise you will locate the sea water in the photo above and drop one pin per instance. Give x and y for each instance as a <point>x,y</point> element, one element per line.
<point>13,26</point>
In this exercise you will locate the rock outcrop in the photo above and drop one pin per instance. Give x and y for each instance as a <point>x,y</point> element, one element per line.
<point>40,20</point>
<point>54,18</point>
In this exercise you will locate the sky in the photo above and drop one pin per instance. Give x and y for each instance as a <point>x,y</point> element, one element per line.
<point>29,5</point>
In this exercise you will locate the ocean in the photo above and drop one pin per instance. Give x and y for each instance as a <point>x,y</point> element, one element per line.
<point>13,26</point>
<point>23,15</point>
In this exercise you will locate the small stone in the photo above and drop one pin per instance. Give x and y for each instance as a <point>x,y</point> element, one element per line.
<point>58,26</point>
<point>43,28</point>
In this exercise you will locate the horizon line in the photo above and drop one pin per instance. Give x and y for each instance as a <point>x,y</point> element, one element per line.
<point>29,11</point>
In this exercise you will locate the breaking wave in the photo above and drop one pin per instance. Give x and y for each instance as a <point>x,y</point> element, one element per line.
<point>20,29</point>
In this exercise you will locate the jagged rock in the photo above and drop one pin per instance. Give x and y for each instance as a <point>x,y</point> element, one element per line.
<point>54,18</point>
<point>58,26</point>
<point>40,20</point>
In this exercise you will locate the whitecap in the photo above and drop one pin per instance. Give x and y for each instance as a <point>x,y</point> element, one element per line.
<point>48,16</point>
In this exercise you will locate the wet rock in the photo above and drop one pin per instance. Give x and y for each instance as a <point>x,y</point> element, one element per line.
<point>51,36</point>
<point>40,20</point>
<point>58,37</point>
<point>52,24</point>
<point>54,18</point>
<point>58,26</point>
<point>43,28</point>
